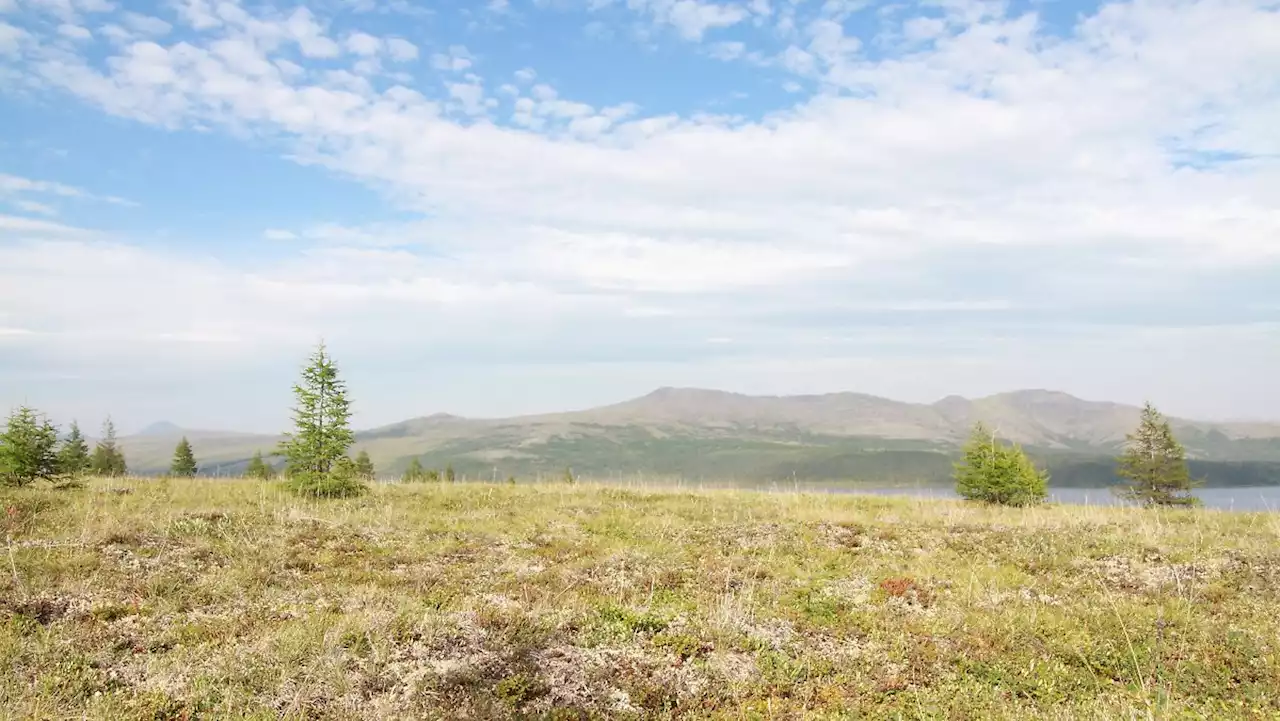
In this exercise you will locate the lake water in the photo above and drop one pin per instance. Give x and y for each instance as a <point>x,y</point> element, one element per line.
<point>1259,498</point>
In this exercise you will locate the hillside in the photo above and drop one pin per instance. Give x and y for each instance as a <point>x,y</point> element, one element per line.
<point>716,435</point>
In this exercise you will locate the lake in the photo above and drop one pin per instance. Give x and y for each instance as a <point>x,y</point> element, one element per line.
<point>1254,498</point>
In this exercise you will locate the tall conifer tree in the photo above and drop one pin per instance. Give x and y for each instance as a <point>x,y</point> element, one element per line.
<point>73,456</point>
<point>1154,464</point>
<point>184,460</point>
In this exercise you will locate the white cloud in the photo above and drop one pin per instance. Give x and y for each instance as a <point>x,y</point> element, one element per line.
<point>691,18</point>
<point>526,75</point>
<point>198,13</point>
<point>402,50</point>
<point>75,32</point>
<point>363,44</point>
<point>31,227</point>
<point>147,24</point>
<point>1079,165</point>
<point>277,234</point>
<point>456,60</point>
<point>31,206</point>
<point>797,61</point>
<point>11,39</point>
<point>469,95</point>
<point>11,185</point>
<point>728,50</point>
<point>310,37</point>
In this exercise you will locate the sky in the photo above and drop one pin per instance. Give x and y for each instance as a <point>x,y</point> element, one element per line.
<point>518,206</point>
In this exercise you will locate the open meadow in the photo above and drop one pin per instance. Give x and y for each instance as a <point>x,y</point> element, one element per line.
<point>199,598</point>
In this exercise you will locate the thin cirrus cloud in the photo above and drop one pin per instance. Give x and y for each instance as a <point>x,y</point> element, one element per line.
<point>1119,163</point>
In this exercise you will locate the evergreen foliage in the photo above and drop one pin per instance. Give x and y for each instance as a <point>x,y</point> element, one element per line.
<point>449,475</point>
<point>108,459</point>
<point>316,452</point>
<point>258,468</point>
<point>73,456</point>
<point>339,482</point>
<point>364,467</point>
<point>184,460</point>
<point>414,473</point>
<point>1154,465</point>
<point>321,432</point>
<point>28,449</point>
<point>995,473</point>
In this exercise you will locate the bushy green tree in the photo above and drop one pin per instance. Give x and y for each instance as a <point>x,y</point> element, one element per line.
<point>316,451</point>
<point>258,468</point>
<point>339,482</point>
<point>414,472</point>
<point>73,456</point>
<point>28,449</point>
<point>108,459</point>
<point>184,460</point>
<point>364,467</point>
<point>996,473</point>
<point>1154,465</point>
<point>449,475</point>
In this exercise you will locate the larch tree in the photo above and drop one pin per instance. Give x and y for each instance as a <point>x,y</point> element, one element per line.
<point>108,459</point>
<point>28,448</point>
<point>415,473</point>
<point>184,460</point>
<point>364,466</point>
<point>258,468</point>
<point>1154,464</point>
<point>996,473</point>
<point>73,456</point>
<point>316,450</point>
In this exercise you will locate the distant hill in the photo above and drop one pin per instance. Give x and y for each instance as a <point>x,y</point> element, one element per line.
<point>161,428</point>
<point>717,435</point>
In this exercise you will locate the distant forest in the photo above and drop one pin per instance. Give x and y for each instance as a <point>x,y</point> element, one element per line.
<point>761,461</point>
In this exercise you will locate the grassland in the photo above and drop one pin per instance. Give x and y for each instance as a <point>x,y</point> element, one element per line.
<point>154,599</point>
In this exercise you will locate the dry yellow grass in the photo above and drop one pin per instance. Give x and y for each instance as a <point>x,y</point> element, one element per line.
<point>226,599</point>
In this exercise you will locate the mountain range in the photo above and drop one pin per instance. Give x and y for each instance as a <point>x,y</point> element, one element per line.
<point>716,435</point>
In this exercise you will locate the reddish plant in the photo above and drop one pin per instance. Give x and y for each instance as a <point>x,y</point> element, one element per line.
<point>906,588</point>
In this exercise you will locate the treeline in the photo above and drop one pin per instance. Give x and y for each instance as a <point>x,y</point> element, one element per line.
<point>763,463</point>
<point>1153,467</point>
<point>31,450</point>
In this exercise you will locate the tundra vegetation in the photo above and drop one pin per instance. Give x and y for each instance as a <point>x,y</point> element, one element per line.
<point>216,598</point>
<point>325,597</point>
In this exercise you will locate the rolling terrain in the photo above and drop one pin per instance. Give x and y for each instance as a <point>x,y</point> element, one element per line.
<point>707,435</point>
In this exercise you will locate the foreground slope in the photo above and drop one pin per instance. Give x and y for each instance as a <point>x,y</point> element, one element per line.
<point>154,599</point>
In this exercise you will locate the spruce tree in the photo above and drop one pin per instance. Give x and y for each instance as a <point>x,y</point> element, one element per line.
<point>184,460</point>
<point>108,459</point>
<point>993,472</point>
<point>364,467</point>
<point>449,475</point>
<point>317,449</point>
<point>73,456</point>
<point>414,473</point>
<point>1154,465</point>
<point>28,449</point>
<point>258,468</point>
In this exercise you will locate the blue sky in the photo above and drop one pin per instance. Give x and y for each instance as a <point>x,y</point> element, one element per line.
<point>508,207</point>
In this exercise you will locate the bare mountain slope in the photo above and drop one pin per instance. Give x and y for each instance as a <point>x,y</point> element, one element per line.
<point>1043,419</point>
